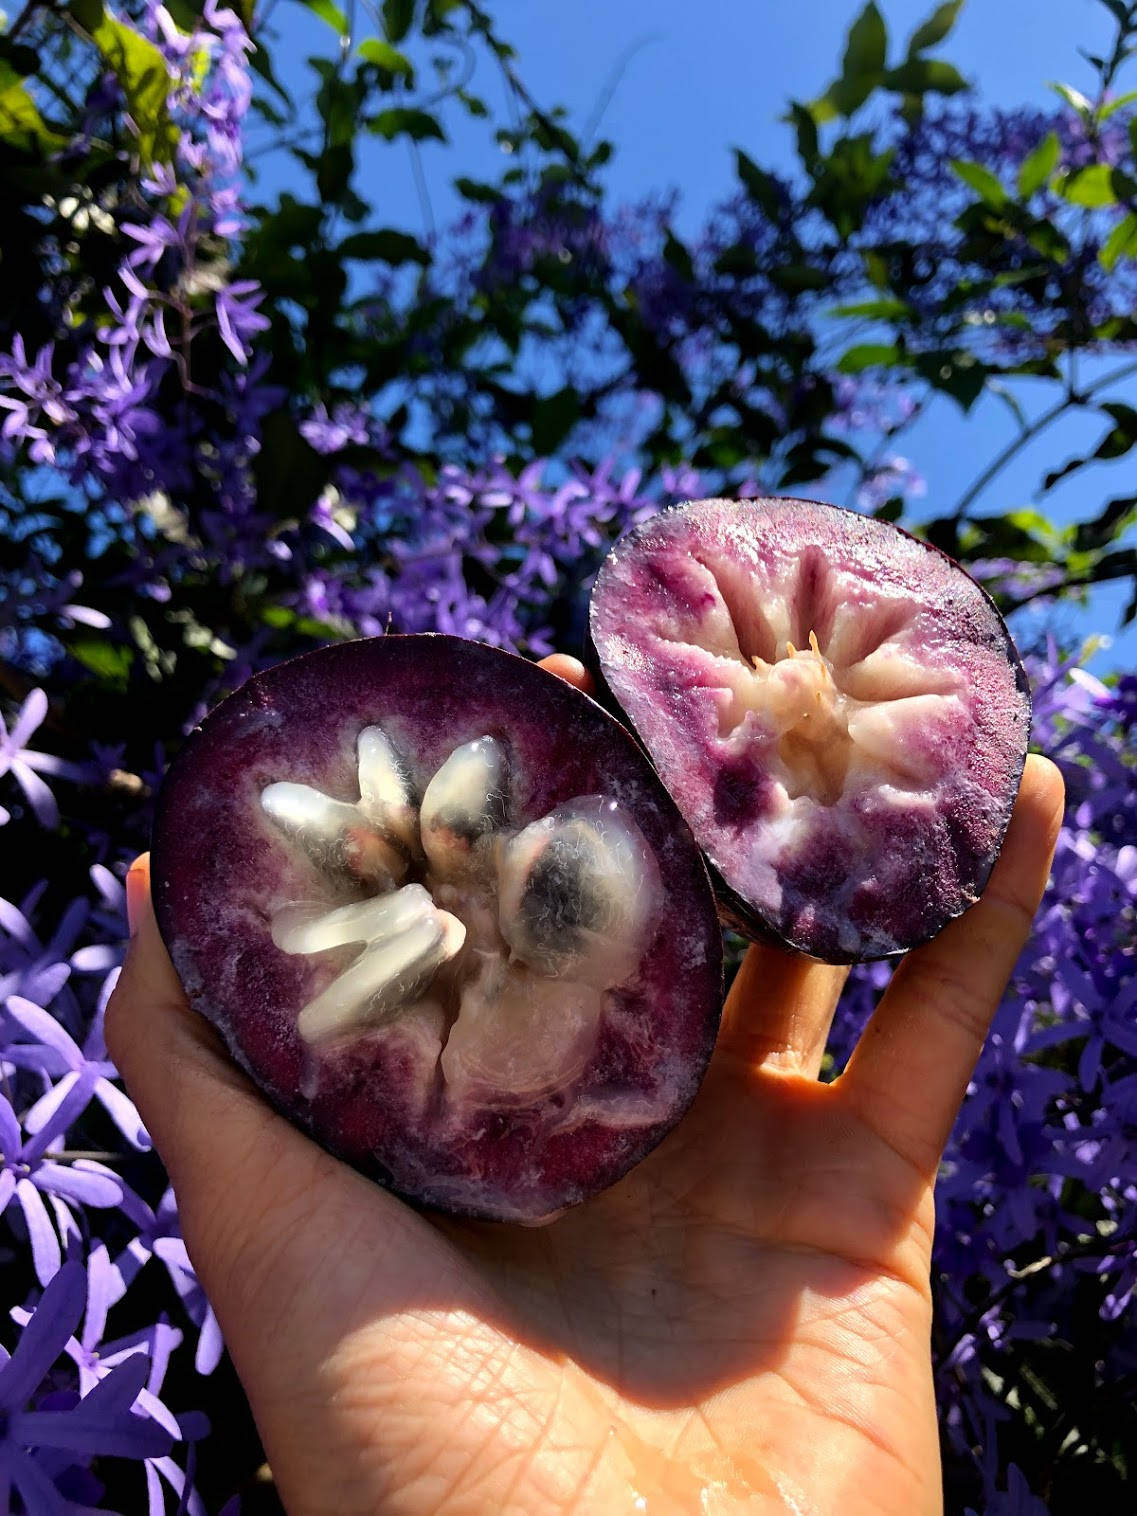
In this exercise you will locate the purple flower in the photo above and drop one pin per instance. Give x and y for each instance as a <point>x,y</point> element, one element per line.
<point>56,1054</point>
<point>238,318</point>
<point>95,1359</point>
<point>26,766</point>
<point>346,425</point>
<point>39,1443</point>
<point>157,1236</point>
<point>31,1170</point>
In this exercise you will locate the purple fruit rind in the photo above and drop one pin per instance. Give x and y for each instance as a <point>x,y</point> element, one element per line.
<point>877,879</point>
<point>220,869</point>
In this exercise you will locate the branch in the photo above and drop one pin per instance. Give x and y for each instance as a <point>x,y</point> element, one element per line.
<point>1102,575</point>
<point>1068,402</point>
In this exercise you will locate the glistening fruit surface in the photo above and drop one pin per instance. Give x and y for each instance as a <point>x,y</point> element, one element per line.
<point>446,915</point>
<point>836,707</point>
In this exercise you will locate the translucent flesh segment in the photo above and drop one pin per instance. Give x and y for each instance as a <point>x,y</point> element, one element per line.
<point>315,929</point>
<point>464,802</point>
<point>519,1037</point>
<point>857,628</point>
<point>901,734</point>
<point>386,796</point>
<point>889,674</point>
<point>577,890</point>
<point>299,808</point>
<point>383,979</point>
<point>553,918</point>
<point>734,625</point>
<point>799,656</point>
<point>334,833</point>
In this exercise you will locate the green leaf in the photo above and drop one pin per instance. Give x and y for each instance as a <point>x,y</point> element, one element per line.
<point>287,471</point>
<point>109,661</point>
<point>1118,10</point>
<point>824,108</point>
<point>1121,243</point>
<point>738,261</point>
<point>1074,98</point>
<point>1116,519</point>
<point>141,72</point>
<point>1107,110</point>
<point>958,374</point>
<point>866,47</point>
<point>1124,434</point>
<point>1117,442</point>
<point>805,127</point>
<point>938,26</point>
<point>986,185</point>
<point>261,63</point>
<point>387,245</point>
<point>437,12</point>
<point>1037,167</point>
<point>383,55</point>
<point>20,120</point>
<point>876,268</point>
<point>331,14</point>
<point>554,416</point>
<point>477,191</point>
<point>761,187</point>
<point>1091,186</point>
<point>870,355</point>
<point>879,310</point>
<point>795,278</point>
<point>922,76</point>
<point>677,255</point>
<point>398,17</point>
<point>406,121</point>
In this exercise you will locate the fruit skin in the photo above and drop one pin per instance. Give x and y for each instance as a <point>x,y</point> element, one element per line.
<point>218,867</point>
<point>737,909</point>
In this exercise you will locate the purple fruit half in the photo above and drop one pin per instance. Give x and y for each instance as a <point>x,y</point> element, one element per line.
<point>444,913</point>
<point>835,706</point>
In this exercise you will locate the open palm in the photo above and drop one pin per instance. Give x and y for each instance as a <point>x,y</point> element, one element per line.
<point>741,1324</point>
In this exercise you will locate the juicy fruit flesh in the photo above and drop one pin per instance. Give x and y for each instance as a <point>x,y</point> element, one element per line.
<point>493,1090</point>
<point>491,914</point>
<point>835,707</point>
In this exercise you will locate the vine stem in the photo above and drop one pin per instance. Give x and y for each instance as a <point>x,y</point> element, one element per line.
<point>1070,401</point>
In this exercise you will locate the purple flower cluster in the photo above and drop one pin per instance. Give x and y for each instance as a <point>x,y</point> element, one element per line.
<point>115,400</point>
<point>73,1394</point>
<point>1036,1222</point>
<point>482,554</point>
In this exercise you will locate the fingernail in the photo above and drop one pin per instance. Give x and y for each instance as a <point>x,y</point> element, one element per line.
<point>136,886</point>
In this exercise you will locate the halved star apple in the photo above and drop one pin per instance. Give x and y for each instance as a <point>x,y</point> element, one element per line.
<point>836,707</point>
<point>445,914</point>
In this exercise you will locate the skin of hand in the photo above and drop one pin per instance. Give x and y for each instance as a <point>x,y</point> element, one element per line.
<point>741,1324</point>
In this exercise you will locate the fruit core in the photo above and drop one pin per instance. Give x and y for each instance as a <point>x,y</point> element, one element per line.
<point>827,686</point>
<point>445,908</point>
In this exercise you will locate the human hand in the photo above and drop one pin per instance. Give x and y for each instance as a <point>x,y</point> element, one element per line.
<point>742,1323</point>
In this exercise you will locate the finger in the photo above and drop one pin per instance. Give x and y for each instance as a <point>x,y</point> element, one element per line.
<point>197,1105</point>
<point>235,1165</point>
<point>910,1070</point>
<point>571,670</point>
<point>779,1011</point>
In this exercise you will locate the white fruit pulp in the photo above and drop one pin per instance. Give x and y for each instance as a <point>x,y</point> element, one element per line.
<point>516,933</point>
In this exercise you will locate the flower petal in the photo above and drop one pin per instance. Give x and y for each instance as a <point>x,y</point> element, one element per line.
<point>45,1336</point>
<point>46,1256</point>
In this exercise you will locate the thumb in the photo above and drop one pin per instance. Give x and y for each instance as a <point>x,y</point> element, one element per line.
<point>235,1165</point>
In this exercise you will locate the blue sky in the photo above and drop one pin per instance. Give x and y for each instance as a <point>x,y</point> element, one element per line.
<point>678,84</point>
